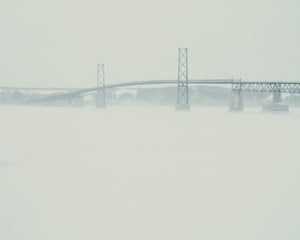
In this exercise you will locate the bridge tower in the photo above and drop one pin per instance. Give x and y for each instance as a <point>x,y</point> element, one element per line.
<point>182,81</point>
<point>100,96</point>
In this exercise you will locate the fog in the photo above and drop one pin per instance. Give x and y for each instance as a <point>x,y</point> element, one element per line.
<point>148,173</point>
<point>58,43</point>
<point>138,169</point>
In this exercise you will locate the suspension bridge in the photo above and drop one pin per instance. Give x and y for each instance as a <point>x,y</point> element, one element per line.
<point>183,82</point>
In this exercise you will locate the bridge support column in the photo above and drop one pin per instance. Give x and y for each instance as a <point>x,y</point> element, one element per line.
<point>236,102</point>
<point>276,105</point>
<point>100,95</point>
<point>182,81</point>
<point>276,97</point>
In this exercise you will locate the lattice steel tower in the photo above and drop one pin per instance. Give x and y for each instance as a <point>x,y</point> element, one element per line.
<point>182,81</point>
<point>100,97</point>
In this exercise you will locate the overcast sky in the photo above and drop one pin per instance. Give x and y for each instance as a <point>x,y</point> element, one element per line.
<point>58,43</point>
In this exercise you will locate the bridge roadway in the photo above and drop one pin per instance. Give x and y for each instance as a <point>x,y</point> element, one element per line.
<point>130,84</point>
<point>237,86</point>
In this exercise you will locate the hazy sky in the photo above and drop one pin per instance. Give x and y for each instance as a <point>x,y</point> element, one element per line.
<point>59,42</point>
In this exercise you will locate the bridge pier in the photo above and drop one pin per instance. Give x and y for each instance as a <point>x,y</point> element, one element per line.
<point>236,102</point>
<point>276,97</point>
<point>276,105</point>
<point>182,81</point>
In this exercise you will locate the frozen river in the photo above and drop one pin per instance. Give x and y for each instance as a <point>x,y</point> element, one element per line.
<point>148,174</point>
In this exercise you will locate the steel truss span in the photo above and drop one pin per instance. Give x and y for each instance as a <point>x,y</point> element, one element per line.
<point>283,87</point>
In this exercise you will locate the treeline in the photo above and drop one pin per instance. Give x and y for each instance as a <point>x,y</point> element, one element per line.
<point>200,95</point>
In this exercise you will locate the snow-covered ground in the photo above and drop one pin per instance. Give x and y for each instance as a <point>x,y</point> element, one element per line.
<point>148,174</point>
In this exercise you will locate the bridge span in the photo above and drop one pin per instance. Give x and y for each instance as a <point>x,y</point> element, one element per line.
<point>132,84</point>
<point>237,86</point>
<point>183,82</point>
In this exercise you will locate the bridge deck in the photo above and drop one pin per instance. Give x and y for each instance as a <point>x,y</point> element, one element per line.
<point>237,85</point>
<point>129,84</point>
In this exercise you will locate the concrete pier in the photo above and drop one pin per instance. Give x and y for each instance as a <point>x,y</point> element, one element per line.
<point>276,97</point>
<point>236,102</point>
<point>276,105</point>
